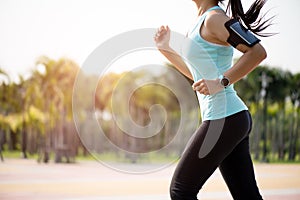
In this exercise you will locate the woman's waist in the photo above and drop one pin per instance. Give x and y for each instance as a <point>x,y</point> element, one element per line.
<point>220,105</point>
<point>227,96</point>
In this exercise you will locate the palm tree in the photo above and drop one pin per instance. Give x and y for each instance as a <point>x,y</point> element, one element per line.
<point>56,85</point>
<point>9,104</point>
<point>22,91</point>
<point>278,92</point>
<point>295,98</point>
<point>2,93</point>
<point>250,90</point>
<point>139,104</point>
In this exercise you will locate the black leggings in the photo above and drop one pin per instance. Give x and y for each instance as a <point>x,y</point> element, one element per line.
<point>229,152</point>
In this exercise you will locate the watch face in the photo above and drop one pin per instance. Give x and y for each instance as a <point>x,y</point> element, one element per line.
<point>225,82</point>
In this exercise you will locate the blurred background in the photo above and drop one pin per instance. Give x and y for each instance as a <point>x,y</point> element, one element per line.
<point>44,43</point>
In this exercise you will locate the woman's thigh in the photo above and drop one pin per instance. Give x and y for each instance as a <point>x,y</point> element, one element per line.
<point>194,167</point>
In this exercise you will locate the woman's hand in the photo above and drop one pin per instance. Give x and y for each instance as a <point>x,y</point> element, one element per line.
<point>208,87</point>
<point>162,37</point>
<point>162,40</point>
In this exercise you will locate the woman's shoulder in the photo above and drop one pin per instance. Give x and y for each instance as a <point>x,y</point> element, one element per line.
<point>216,17</point>
<point>214,24</point>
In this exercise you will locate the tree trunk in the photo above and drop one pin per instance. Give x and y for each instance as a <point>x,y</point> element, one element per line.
<point>293,136</point>
<point>264,132</point>
<point>24,143</point>
<point>256,133</point>
<point>1,143</point>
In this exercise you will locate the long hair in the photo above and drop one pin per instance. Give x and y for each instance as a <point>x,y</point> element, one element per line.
<point>251,18</point>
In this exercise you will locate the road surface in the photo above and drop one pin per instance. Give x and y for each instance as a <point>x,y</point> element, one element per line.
<point>88,180</point>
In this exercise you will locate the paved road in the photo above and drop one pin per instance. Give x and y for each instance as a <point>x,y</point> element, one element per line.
<point>27,180</point>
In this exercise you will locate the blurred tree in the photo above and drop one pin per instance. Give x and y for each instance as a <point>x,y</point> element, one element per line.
<point>56,84</point>
<point>10,104</point>
<point>36,114</point>
<point>131,94</point>
<point>278,84</point>
<point>3,123</point>
<point>294,132</point>
<point>250,90</point>
<point>279,90</point>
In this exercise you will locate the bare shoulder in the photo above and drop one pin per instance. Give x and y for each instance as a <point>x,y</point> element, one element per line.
<point>216,18</point>
<point>214,23</point>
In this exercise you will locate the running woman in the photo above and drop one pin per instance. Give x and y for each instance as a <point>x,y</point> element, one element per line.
<point>222,140</point>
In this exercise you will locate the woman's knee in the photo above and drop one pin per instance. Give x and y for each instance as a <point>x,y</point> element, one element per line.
<point>182,193</point>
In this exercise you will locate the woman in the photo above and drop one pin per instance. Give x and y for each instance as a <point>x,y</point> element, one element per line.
<point>226,122</point>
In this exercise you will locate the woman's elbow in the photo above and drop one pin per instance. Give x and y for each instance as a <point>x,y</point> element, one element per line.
<point>264,54</point>
<point>261,52</point>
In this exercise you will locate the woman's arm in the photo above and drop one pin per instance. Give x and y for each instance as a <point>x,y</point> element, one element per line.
<point>215,31</point>
<point>162,39</point>
<point>249,61</point>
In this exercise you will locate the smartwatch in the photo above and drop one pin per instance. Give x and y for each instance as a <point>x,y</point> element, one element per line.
<point>224,81</point>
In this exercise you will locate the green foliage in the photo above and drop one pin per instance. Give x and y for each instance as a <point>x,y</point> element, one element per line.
<point>275,112</point>
<point>36,114</point>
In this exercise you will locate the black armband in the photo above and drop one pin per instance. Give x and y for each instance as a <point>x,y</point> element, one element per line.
<point>238,34</point>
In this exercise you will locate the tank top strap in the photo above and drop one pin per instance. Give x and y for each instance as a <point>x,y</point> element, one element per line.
<point>214,8</point>
<point>202,18</point>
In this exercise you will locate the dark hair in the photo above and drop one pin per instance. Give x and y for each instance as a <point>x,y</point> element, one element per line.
<point>251,18</point>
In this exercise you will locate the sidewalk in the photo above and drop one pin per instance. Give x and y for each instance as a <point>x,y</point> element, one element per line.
<point>28,180</point>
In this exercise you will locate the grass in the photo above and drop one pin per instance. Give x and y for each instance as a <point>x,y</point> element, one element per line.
<point>136,158</point>
<point>139,158</point>
<point>106,157</point>
<point>17,154</point>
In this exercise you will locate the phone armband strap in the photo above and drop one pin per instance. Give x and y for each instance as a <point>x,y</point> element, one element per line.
<point>238,34</point>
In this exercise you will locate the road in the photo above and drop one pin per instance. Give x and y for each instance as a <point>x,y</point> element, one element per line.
<point>88,180</point>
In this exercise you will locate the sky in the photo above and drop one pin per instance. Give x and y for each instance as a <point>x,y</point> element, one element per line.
<point>74,28</point>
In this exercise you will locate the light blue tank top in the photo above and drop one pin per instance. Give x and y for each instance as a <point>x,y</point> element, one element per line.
<point>207,60</point>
